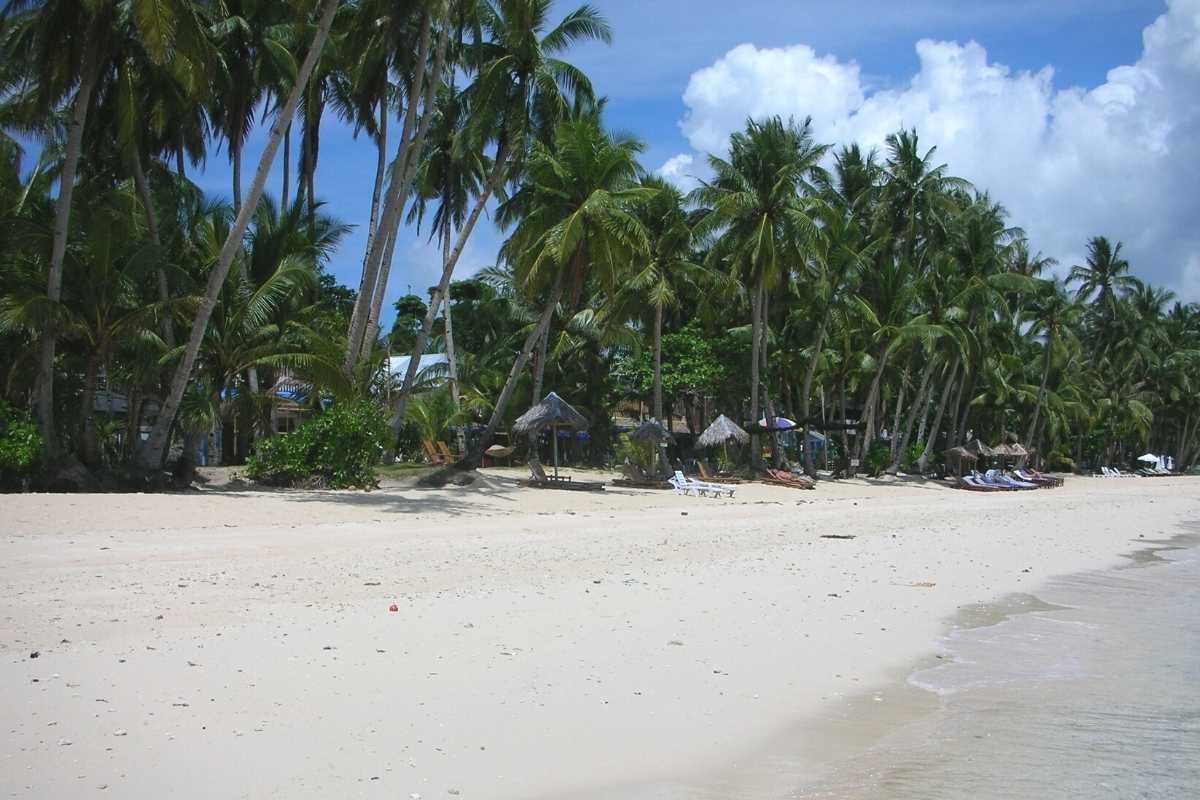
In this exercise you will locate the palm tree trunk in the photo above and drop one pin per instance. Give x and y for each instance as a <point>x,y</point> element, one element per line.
<point>658,320</point>
<point>412,159</point>
<point>284,195</point>
<point>904,381</point>
<point>235,153</point>
<point>44,385</point>
<point>963,406</point>
<point>164,291</point>
<point>450,356</point>
<point>87,425</point>
<point>917,409</point>
<point>475,457</point>
<point>755,344</point>
<point>768,403</point>
<point>448,272</point>
<point>810,467</point>
<point>1041,396</point>
<point>380,171</point>
<point>870,406</point>
<point>539,377</point>
<point>923,461</point>
<point>152,453</point>
<point>392,208</point>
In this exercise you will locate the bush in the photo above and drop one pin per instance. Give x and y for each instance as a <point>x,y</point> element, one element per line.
<point>878,458</point>
<point>911,457</point>
<point>20,447</point>
<point>336,450</point>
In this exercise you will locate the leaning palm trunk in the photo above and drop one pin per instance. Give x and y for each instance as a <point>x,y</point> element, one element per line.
<point>455,394</point>
<point>287,169</point>
<point>918,407</point>
<point>412,160</point>
<point>872,402</point>
<point>44,386</point>
<point>923,461</point>
<point>539,378</point>
<point>380,172</point>
<point>810,468</point>
<point>164,291</point>
<point>475,457</point>
<point>447,272</point>
<point>154,450</point>
<point>1041,396</point>
<point>391,212</point>
<point>755,343</point>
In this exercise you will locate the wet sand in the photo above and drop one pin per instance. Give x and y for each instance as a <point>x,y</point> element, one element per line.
<point>546,644</point>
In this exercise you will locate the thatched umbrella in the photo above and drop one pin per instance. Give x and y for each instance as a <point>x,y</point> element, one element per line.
<point>1016,450</point>
<point>980,449</point>
<point>553,413</point>
<point>961,454</point>
<point>720,432</point>
<point>651,430</point>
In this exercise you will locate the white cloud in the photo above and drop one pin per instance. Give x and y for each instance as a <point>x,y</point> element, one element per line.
<point>1121,159</point>
<point>679,171</point>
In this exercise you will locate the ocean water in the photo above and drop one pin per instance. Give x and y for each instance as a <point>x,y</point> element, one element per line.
<point>1091,689</point>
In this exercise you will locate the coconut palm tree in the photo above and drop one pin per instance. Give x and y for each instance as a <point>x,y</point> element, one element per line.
<point>575,221</point>
<point>521,91</point>
<point>668,266</point>
<point>152,453</point>
<point>1053,316</point>
<point>1103,276</point>
<point>66,50</point>
<point>759,220</point>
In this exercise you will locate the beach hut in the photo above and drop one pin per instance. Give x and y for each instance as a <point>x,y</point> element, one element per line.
<point>651,430</point>
<point>979,449</point>
<point>553,413</point>
<point>720,432</point>
<point>654,432</point>
<point>958,455</point>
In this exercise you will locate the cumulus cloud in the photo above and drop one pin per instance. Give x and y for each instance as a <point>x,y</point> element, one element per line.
<point>1121,159</point>
<point>679,170</point>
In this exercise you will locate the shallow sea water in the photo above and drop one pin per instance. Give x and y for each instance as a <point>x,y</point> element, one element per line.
<point>1089,690</point>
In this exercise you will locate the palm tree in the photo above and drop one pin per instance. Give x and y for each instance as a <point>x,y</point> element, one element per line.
<point>67,50</point>
<point>1104,275</point>
<point>761,222</point>
<point>668,266</point>
<point>521,92</point>
<point>152,453</point>
<point>575,222</point>
<point>1053,316</point>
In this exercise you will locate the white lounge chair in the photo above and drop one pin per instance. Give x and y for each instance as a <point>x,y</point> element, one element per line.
<point>685,485</point>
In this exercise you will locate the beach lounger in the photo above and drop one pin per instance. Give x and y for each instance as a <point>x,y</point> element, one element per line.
<point>634,477</point>
<point>778,477</point>
<point>431,453</point>
<point>708,475</point>
<point>540,480</point>
<point>973,484</point>
<point>999,478</point>
<point>444,451</point>
<point>689,486</point>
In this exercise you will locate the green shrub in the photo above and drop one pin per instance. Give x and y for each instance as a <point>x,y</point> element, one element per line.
<point>337,449</point>
<point>20,447</point>
<point>878,458</point>
<point>912,455</point>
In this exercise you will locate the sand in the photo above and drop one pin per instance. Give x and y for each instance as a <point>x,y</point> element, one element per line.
<point>236,643</point>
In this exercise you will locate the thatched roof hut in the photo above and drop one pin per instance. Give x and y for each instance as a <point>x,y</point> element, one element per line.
<point>552,411</point>
<point>651,430</point>
<point>721,431</point>
<point>962,453</point>
<point>1016,450</point>
<point>980,449</point>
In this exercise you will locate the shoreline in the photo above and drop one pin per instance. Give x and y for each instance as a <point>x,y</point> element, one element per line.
<point>592,645</point>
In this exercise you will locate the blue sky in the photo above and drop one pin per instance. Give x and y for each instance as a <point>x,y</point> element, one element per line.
<point>1017,94</point>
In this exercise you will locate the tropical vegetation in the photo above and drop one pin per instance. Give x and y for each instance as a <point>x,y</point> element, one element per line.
<point>868,295</point>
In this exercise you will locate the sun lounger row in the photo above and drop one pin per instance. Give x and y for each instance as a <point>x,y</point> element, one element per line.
<point>996,481</point>
<point>690,486</point>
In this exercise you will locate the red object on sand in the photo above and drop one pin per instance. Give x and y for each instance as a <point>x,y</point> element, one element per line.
<point>393,607</point>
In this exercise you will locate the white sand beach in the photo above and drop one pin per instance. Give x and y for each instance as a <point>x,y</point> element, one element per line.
<point>234,643</point>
